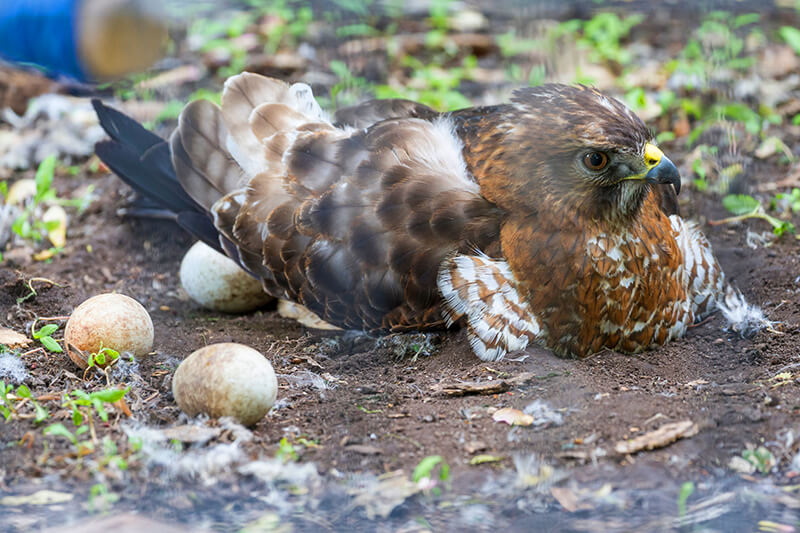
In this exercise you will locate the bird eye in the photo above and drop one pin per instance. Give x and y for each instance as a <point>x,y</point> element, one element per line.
<point>595,160</point>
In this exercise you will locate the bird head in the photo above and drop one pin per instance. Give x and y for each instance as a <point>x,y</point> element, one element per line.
<point>587,151</point>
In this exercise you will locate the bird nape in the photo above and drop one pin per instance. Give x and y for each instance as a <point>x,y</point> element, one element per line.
<point>550,220</point>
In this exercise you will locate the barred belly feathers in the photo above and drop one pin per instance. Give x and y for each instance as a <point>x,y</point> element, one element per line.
<point>550,220</point>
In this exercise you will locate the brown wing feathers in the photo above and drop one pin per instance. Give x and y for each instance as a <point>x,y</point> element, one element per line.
<point>353,223</point>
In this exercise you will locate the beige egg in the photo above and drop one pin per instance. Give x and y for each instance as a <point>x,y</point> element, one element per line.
<point>216,282</point>
<point>111,321</point>
<point>226,379</point>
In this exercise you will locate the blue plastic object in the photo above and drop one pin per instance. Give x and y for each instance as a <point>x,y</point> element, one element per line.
<point>42,33</point>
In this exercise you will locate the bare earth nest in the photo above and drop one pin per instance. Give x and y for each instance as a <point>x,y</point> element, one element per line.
<point>359,413</point>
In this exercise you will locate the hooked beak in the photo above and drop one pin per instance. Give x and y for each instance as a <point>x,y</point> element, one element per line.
<point>662,170</point>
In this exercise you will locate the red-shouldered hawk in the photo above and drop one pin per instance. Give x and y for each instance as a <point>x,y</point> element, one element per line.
<point>549,220</point>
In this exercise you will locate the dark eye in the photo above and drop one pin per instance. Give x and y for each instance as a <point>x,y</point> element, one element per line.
<point>595,160</point>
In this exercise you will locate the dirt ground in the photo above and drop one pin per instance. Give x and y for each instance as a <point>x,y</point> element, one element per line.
<point>357,409</point>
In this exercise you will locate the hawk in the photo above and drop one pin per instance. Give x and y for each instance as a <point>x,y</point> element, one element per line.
<point>551,219</point>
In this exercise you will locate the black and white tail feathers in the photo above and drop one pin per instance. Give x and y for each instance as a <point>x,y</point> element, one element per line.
<point>142,160</point>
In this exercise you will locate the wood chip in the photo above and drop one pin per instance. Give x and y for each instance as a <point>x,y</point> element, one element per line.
<point>470,387</point>
<point>466,388</point>
<point>364,449</point>
<point>663,436</point>
<point>475,446</point>
<point>12,339</point>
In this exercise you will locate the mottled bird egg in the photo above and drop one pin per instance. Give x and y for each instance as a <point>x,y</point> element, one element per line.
<point>111,321</point>
<point>226,379</point>
<point>216,282</point>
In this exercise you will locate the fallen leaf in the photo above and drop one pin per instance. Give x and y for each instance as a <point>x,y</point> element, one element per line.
<point>44,255</point>
<point>41,497</point>
<point>56,216</point>
<point>12,339</point>
<point>364,449</point>
<point>20,191</point>
<point>485,458</point>
<point>512,417</point>
<point>566,498</point>
<point>663,436</point>
<point>770,146</point>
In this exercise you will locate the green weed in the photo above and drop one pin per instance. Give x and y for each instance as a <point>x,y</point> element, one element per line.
<point>44,335</point>
<point>745,207</point>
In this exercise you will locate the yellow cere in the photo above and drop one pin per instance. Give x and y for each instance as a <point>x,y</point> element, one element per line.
<point>652,155</point>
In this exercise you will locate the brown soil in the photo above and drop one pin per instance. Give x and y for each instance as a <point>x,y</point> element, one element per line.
<point>382,412</point>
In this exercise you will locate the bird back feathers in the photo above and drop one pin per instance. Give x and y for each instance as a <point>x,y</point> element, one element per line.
<point>354,223</point>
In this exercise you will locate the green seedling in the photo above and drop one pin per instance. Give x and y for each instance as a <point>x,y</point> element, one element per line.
<point>683,496</point>
<point>791,201</point>
<point>792,37</point>
<point>512,45</point>
<point>103,357</point>
<point>44,335</point>
<point>286,451</point>
<point>745,207</point>
<point>83,404</point>
<point>84,407</point>
<point>761,458</point>
<point>40,412</point>
<point>349,87</point>
<point>100,498</point>
<point>6,407</point>
<point>432,85</point>
<point>27,224</point>
<point>426,470</point>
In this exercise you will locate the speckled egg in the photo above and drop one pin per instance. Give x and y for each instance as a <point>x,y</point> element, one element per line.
<point>216,282</point>
<point>226,379</point>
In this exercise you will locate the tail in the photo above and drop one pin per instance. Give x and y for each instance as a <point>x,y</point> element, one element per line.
<point>142,160</point>
<point>203,176</point>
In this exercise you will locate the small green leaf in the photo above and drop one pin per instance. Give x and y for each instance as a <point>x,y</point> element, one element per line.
<point>44,177</point>
<point>792,37</point>
<point>51,344</point>
<point>101,411</point>
<point>444,473</point>
<point>58,430</point>
<point>23,391</point>
<point>740,204</point>
<point>686,490</point>
<point>41,412</point>
<point>745,19</point>
<point>45,331</point>
<point>425,467</point>
<point>109,395</point>
<point>665,136</point>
